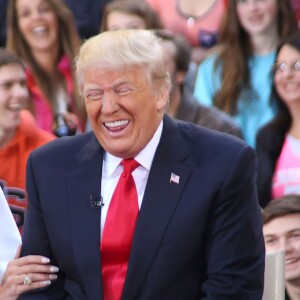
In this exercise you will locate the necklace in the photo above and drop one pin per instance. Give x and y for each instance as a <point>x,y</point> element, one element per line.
<point>190,21</point>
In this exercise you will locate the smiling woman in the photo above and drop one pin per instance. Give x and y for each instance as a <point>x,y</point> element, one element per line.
<point>278,143</point>
<point>43,33</point>
<point>129,14</point>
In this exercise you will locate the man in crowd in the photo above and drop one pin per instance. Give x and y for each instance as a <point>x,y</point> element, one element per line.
<point>281,230</point>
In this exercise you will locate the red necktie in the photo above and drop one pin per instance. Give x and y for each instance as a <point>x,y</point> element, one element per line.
<point>118,232</point>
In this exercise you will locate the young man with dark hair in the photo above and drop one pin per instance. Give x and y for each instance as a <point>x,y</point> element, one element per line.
<point>281,230</point>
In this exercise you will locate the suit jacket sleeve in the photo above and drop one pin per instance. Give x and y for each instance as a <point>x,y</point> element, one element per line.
<point>235,249</point>
<point>35,238</point>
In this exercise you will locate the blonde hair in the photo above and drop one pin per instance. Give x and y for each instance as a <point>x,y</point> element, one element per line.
<point>124,48</point>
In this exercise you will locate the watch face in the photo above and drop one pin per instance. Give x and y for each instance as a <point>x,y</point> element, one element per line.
<point>207,39</point>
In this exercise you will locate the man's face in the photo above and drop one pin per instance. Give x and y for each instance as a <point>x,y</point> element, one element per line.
<point>283,233</point>
<point>123,107</point>
<point>13,95</point>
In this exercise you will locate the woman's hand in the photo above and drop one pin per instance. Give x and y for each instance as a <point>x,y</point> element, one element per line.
<point>25,274</point>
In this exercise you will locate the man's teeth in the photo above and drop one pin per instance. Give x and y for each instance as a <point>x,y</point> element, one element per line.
<point>291,261</point>
<point>15,107</point>
<point>116,123</point>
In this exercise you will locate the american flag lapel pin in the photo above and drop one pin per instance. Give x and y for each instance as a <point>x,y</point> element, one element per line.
<point>174,178</point>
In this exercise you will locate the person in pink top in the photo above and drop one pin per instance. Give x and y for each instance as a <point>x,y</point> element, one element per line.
<point>278,143</point>
<point>197,21</point>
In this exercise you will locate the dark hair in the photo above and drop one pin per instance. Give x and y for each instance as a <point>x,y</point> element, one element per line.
<point>270,137</point>
<point>286,205</point>
<point>282,121</point>
<point>235,50</point>
<point>183,48</point>
<point>132,7</point>
<point>8,58</point>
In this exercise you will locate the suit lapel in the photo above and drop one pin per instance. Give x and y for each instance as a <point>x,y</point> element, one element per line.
<point>160,201</point>
<point>84,182</point>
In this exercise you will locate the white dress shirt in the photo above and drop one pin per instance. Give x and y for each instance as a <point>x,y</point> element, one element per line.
<point>10,237</point>
<point>112,169</point>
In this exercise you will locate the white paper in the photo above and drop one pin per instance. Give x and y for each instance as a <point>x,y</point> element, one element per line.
<point>274,276</point>
<point>10,237</point>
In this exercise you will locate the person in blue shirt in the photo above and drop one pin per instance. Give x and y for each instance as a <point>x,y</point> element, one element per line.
<point>237,76</point>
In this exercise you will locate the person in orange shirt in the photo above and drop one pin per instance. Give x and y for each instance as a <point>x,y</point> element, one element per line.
<point>19,134</point>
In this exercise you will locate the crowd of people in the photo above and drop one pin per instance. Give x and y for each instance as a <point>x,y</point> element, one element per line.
<point>89,89</point>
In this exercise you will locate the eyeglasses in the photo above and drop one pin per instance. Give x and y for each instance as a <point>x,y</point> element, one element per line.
<point>281,66</point>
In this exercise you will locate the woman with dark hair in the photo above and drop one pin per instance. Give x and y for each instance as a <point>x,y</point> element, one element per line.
<point>129,14</point>
<point>237,77</point>
<point>278,142</point>
<point>43,33</point>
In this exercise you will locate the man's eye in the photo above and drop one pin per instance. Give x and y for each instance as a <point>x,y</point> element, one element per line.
<point>295,236</point>
<point>270,241</point>
<point>123,91</point>
<point>94,95</point>
<point>6,85</point>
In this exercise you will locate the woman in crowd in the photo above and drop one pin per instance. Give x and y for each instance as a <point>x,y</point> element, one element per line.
<point>197,21</point>
<point>132,14</point>
<point>237,78</point>
<point>129,14</point>
<point>278,142</point>
<point>43,33</point>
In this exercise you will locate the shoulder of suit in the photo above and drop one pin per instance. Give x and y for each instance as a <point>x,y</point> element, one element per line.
<point>65,145</point>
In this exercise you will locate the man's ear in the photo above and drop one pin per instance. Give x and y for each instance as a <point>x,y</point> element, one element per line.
<point>162,98</point>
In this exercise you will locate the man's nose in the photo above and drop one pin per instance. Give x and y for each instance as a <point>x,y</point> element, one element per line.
<point>291,246</point>
<point>109,104</point>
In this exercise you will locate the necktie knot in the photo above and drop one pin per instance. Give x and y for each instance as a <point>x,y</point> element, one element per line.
<point>129,166</point>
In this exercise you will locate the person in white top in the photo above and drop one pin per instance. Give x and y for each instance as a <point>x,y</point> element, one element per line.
<point>10,237</point>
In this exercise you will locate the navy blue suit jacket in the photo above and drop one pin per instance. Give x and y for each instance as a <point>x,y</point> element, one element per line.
<point>200,238</point>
